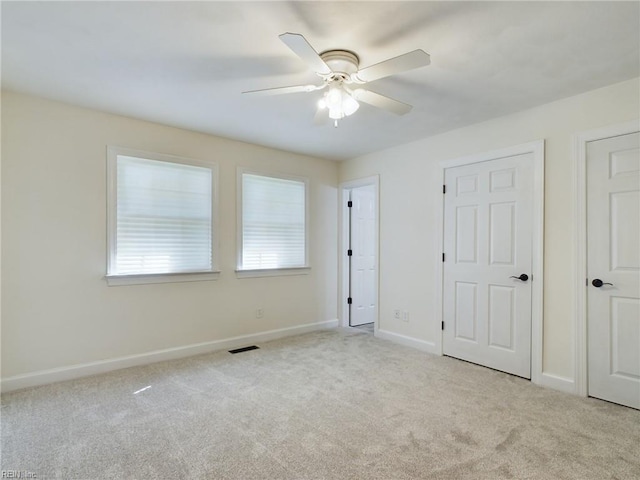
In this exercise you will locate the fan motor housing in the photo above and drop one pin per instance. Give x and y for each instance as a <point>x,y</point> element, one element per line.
<point>343,63</point>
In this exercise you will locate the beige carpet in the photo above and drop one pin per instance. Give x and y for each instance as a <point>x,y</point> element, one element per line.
<point>338,404</point>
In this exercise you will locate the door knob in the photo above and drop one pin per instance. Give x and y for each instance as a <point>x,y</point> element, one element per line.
<point>598,283</point>
<point>524,277</point>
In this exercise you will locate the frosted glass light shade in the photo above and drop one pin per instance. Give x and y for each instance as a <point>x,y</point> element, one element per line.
<point>349,104</point>
<point>339,102</point>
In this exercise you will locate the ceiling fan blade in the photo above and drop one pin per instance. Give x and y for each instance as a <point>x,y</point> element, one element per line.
<point>408,61</point>
<point>283,90</point>
<point>299,45</point>
<point>380,101</point>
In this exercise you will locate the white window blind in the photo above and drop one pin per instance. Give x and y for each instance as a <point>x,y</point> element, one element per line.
<point>273,222</point>
<point>163,218</point>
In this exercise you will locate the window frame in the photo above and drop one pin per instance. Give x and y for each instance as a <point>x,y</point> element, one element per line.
<point>270,272</point>
<point>115,279</point>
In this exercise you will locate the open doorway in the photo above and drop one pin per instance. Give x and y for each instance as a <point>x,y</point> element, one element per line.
<point>359,256</point>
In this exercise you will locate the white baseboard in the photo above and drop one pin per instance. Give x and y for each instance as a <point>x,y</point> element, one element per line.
<point>556,382</point>
<point>423,345</point>
<point>44,377</point>
<point>547,380</point>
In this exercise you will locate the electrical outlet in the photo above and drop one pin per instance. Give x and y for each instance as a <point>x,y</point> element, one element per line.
<point>396,314</point>
<point>259,313</point>
<point>405,316</point>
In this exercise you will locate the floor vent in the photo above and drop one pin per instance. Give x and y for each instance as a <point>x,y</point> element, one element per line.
<point>244,349</point>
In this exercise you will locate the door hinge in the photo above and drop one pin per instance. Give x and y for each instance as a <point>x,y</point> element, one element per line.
<point>443,325</point>
<point>349,204</point>
<point>349,301</point>
<point>586,282</point>
<point>443,257</point>
<point>444,189</point>
<point>349,252</point>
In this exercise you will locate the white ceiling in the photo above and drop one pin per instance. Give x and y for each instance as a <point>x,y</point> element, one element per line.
<point>186,63</point>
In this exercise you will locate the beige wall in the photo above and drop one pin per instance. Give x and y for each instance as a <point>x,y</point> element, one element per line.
<point>58,311</point>
<point>410,191</point>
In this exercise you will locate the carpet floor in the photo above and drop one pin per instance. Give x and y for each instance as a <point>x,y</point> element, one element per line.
<point>335,404</point>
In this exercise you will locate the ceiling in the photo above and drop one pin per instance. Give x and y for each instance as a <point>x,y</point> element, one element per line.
<point>185,64</point>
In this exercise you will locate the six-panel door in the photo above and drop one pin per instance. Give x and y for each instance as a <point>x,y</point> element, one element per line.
<point>363,260</point>
<point>488,245</point>
<point>613,257</point>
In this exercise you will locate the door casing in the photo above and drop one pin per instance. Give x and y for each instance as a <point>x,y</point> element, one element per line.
<point>537,149</point>
<point>344,189</point>
<point>580,142</point>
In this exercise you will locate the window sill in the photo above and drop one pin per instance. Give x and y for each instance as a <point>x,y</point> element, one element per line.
<point>273,272</point>
<point>118,280</point>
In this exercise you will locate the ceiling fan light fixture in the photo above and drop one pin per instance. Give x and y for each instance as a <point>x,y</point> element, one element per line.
<point>339,102</point>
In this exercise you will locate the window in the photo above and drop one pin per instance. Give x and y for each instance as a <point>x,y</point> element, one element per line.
<point>161,218</point>
<point>272,223</point>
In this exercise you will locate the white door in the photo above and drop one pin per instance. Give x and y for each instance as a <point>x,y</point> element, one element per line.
<point>363,256</point>
<point>613,258</point>
<point>488,244</point>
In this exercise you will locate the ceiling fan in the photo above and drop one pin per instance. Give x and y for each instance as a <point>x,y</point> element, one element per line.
<point>340,72</point>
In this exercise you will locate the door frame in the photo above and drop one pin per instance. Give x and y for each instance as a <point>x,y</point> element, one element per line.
<point>343,290</point>
<point>580,141</point>
<point>537,254</point>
